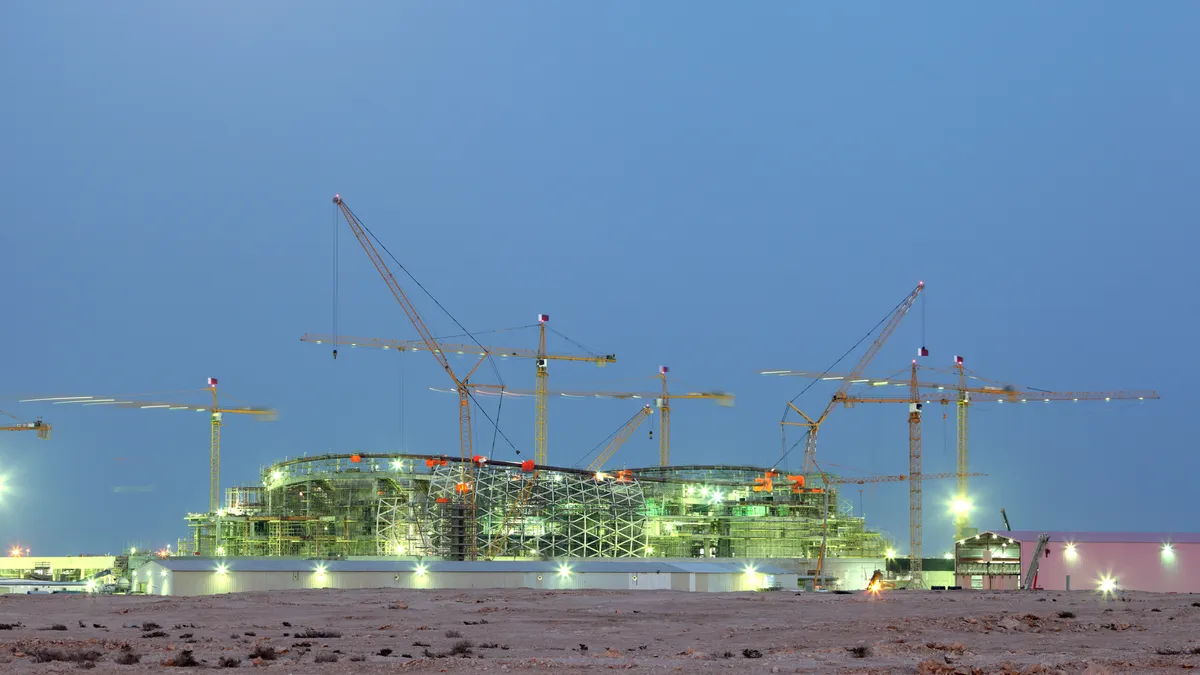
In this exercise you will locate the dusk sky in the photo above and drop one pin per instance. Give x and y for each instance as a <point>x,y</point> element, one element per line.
<point>716,187</point>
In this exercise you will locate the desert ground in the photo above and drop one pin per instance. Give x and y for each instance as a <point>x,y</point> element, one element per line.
<point>384,631</point>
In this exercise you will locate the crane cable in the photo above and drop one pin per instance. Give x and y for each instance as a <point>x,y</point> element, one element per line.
<point>783,428</point>
<point>495,423</point>
<point>604,442</point>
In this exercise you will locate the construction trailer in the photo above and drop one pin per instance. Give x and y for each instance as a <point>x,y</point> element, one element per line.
<point>61,569</point>
<point>1161,562</point>
<point>398,505</point>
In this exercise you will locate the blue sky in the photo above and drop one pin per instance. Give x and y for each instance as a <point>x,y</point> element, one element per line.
<point>716,188</point>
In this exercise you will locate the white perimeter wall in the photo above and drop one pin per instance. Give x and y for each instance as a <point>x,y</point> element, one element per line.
<point>151,580</point>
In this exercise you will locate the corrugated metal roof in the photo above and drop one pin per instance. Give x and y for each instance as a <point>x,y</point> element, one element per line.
<point>1102,537</point>
<point>512,566</point>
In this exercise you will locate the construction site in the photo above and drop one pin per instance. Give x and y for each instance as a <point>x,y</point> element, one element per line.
<point>405,505</point>
<point>467,507</point>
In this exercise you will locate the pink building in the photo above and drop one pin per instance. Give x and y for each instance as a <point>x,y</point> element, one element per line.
<point>1133,561</point>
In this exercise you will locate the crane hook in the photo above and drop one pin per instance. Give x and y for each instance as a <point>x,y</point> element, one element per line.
<point>335,355</point>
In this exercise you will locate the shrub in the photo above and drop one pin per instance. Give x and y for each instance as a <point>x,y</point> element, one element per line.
<point>264,652</point>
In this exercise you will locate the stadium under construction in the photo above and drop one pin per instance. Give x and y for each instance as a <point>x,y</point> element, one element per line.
<point>403,505</point>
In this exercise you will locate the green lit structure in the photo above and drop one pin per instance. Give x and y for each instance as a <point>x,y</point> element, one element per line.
<point>402,505</point>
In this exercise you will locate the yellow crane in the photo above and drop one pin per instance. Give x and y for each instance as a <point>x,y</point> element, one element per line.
<point>539,355</point>
<point>42,428</point>
<point>915,401</point>
<point>465,487</point>
<point>814,425</point>
<point>216,411</point>
<point>1002,392</point>
<point>968,388</point>
<point>662,400</point>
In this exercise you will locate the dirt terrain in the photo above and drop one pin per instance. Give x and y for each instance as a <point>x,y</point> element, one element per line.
<point>386,631</point>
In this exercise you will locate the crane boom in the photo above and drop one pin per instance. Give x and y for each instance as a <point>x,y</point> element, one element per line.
<point>539,355</point>
<point>622,435</point>
<point>451,348</point>
<point>414,317</point>
<point>663,400</point>
<point>898,478</point>
<point>42,428</point>
<point>216,412</point>
<point>467,481</point>
<point>893,322</point>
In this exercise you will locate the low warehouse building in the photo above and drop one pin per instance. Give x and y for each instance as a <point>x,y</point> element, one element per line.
<point>210,576</point>
<point>1109,561</point>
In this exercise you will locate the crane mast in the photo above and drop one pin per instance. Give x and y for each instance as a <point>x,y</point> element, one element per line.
<point>914,481</point>
<point>540,454</point>
<point>961,518</point>
<point>467,465</point>
<point>664,424</point>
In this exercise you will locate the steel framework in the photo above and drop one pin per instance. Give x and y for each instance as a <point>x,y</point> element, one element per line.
<point>403,505</point>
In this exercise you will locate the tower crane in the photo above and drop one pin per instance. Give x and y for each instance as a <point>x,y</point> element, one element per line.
<point>216,411</point>
<point>540,357</point>
<point>968,388</point>
<point>914,401</point>
<point>662,400</point>
<point>466,484</point>
<point>1001,393</point>
<point>813,426</point>
<point>17,424</point>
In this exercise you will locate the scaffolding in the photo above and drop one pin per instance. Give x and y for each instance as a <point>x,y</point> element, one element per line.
<point>403,505</point>
<point>714,512</point>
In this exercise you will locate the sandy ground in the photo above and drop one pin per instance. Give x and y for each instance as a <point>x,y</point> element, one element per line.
<point>388,631</point>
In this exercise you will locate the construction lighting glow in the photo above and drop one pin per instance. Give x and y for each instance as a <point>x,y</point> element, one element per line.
<point>960,506</point>
<point>276,475</point>
<point>891,554</point>
<point>91,586</point>
<point>1107,585</point>
<point>222,569</point>
<point>1070,552</point>
<point>948,556</point>
<point>420,570</point>
<point>750,573</point>
<point>320,571</point>
<point>221,550</point>
<point>1168,553</point>
<point>564,570</point>
<point>15,552</point>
